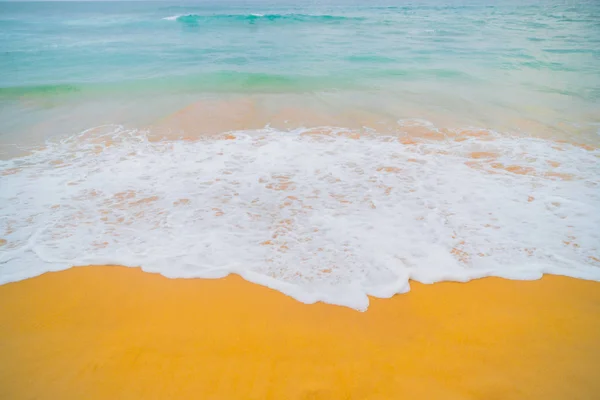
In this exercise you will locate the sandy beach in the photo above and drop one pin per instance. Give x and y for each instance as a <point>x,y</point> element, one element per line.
<point>331,199</point>
<point>115,332</point>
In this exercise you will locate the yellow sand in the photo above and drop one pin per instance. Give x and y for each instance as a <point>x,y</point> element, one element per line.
<point>118,333</point>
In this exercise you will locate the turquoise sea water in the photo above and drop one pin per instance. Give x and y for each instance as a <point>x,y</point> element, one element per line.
<point>495,63</point>
<point>327,149</point>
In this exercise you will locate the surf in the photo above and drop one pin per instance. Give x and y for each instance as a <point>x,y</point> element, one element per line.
<point>321,214</point>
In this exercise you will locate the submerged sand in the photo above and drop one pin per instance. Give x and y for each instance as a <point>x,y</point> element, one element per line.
<point>115,332</point>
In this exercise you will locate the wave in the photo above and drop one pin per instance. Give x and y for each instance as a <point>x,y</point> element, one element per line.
<point>39,90</point>
<point>228,81</point>
<point>323,214</point>
<point>210,82</point>
<point>194,19</point>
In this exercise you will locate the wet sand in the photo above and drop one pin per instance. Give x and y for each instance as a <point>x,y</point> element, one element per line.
<point>115,332</point>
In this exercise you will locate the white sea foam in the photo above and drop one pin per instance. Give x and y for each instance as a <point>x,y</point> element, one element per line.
<point>174,17</point>
<point>320,217</point>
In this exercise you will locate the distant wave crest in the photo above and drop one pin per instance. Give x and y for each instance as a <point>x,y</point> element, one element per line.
<point>196,18</point>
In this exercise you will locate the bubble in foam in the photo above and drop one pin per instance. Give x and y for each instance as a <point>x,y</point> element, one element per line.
<point>328,216</point>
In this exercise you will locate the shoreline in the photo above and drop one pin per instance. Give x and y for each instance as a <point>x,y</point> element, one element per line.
<point>117,332</point>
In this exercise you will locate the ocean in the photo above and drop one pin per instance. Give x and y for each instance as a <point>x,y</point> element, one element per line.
<point>328,149</point>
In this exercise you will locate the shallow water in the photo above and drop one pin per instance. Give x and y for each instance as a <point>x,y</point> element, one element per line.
<point>512,66</point>
<point>328,150</point>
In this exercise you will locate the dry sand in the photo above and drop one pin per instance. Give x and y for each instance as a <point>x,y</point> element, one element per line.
<point>120,333</point>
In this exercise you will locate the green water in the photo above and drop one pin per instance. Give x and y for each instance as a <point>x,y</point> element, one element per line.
<point>480,61</point>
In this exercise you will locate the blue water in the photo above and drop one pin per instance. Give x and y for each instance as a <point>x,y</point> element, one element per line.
<point>481,62</point>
